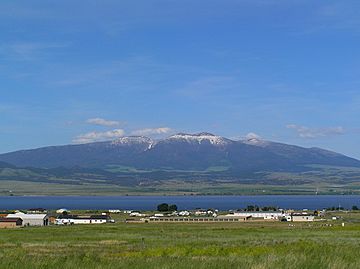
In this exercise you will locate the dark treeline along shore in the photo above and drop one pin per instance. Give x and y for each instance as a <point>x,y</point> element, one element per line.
<point>311,202</point>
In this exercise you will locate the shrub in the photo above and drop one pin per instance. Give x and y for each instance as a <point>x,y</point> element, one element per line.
<point>173,208</point>
<point>163,207</point>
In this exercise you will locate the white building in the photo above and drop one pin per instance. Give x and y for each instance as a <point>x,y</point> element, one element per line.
<point>302,217</point>
<point>72,219</point>
<point>136,214</point>
<point>62,210</point>
<point>31,219</point>
<point>266,215</point>
<point>200,212</point>
<point>115,211</point>
<point>184,213</point>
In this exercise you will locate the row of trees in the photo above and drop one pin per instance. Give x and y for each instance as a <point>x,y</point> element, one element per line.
<point>258,208</point>
<point>334,208</point>
<point>164,207</point>
<point>274,208</point>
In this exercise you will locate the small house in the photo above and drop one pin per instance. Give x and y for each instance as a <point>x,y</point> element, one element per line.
<point>115,211</point>
<point>136,214</point>
<point>200,212</point>
<point>36,210</point>
<point>302,217</point>
<point>10,222</point>
<point>52,218</point>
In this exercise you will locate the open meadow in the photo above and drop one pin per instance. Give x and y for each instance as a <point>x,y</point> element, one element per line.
<point>163,245</point>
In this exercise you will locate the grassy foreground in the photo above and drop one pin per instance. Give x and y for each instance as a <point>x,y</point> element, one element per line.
<point>215,245</point>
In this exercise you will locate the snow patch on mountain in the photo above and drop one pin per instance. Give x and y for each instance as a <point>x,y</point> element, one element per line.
<point>200,138</point>
<point>254,140</point>
<point>131,140</point>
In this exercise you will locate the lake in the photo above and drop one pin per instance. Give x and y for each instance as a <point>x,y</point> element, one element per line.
<point>183,202</point>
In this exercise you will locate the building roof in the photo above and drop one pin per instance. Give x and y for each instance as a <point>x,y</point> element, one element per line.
<point>10,219</point>
<point>60,210</point>
<point>257,212</point>
<point>27,216</point>
<point>302,215</point>
<point>37,209</point>
<point>104,217</point>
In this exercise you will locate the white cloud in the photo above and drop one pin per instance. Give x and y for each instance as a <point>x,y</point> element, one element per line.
<point>99,136</point>
<point>251,136</point>
<point>152,131</point>
<point>103,122</point>
<point>307,132</point>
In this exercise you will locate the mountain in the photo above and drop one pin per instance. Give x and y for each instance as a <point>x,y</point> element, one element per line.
<point>200,163</point>
<point>180,152</point>
<point>5,165</point>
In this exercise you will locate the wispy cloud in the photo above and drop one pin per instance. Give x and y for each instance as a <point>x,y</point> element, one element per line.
<point>307,132</point>
<point>29,50</point>
<point>332,16</point>
<point>152,131</point>
<point>249,136</point>
<point>130,74</point>
<point>103,122</point>
<point>211,86</point>
<point>98,136</point>
<point>341,15</point>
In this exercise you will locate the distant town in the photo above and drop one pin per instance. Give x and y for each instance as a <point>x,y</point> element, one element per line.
<point>164,213</point>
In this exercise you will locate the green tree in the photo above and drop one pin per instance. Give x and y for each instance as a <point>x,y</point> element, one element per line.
<point>163,207</point>
<point>173,207</point>
<point>250,208</point>
<point>354,207</point>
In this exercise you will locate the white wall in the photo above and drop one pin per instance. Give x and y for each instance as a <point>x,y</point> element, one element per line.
<point>79,221</point>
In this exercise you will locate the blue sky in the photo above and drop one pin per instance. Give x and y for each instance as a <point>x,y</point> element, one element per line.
<point>82,71</point>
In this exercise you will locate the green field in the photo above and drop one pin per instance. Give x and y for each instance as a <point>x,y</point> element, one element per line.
<point>172,187</point>
<point>214,245</point>
<point>215,180</point>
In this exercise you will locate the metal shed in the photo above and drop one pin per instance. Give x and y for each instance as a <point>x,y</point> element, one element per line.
<point>31,219</point>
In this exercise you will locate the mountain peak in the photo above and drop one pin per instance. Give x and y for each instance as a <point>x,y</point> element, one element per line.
<point>204,134</point>
<point>196,134</point>
<point>181,151</point>
<point>254,140</point>
<point>200,138</point>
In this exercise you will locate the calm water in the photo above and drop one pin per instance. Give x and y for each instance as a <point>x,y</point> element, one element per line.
<point>183,202</point>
